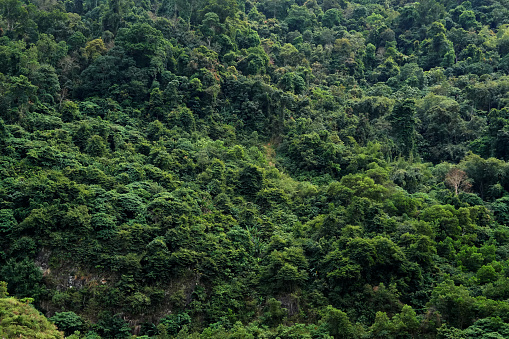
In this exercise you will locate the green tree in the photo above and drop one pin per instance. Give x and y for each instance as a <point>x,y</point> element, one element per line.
<point>96,146</point>
<point>251,180</point>
<point>429,11</point>
<point>337,323</point>
<point>142,42</point>
<point>69,322</point>
<point>23,278</point>
<point>332,17</point>
<point>403,123</point>
<point>224,9</point>
<point>15,14</point>
<point>299,18</point>
<point>454,303</point>
<point>69,111</point>
<point>285,270</point>
<point>436,50</point>
<point>467,20</point>
<point>94,49</point>
<point>275,314</point>
<point>210,26</point>
<point>406,321</point>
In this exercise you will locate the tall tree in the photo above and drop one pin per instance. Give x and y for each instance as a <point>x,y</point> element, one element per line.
<point>403,123</point>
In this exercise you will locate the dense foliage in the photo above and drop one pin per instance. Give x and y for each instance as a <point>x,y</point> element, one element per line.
<point>18,319</point>
<point>257,168</point>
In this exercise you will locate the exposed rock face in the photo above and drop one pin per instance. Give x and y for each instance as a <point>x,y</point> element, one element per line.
<point>65,276</point>
<point>42,261</point>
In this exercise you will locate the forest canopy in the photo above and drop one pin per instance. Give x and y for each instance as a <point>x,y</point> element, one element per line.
<point>255,168</point>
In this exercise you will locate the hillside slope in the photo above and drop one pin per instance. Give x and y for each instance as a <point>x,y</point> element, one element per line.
<point>257,168</point>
